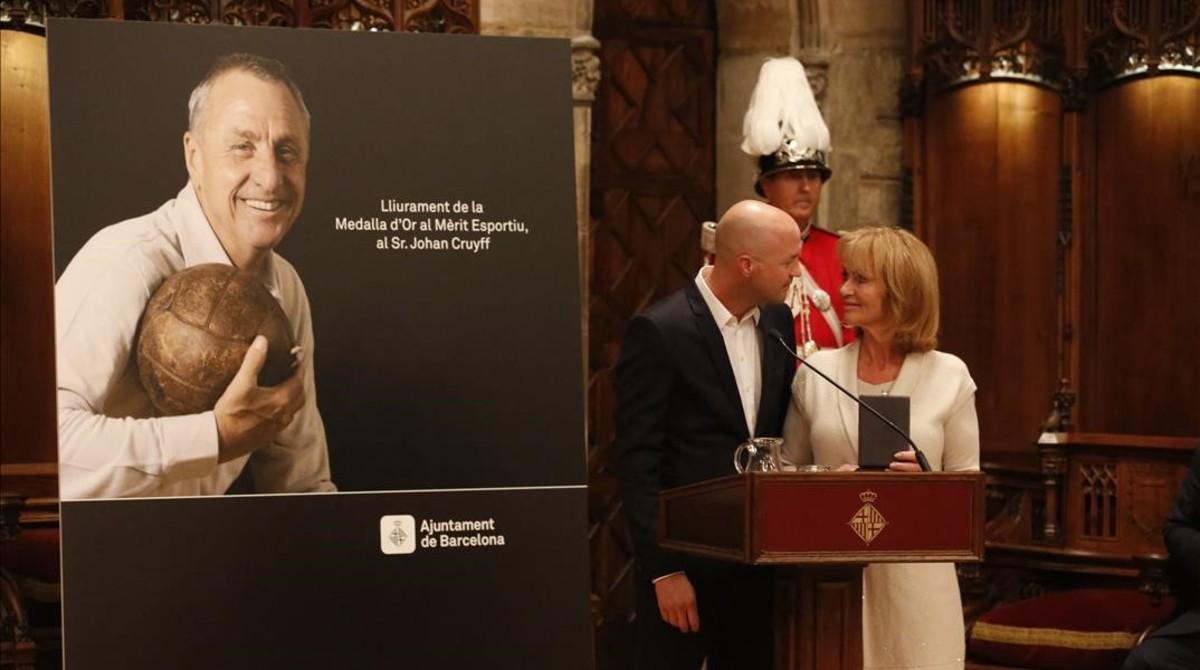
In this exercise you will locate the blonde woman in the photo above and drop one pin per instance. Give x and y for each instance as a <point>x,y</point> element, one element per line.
<point>912,613</point>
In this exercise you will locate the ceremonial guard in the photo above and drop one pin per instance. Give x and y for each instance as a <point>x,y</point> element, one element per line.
<point>785,132</point>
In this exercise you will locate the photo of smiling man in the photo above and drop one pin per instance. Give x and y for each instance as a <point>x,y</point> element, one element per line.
<point>246,150</point>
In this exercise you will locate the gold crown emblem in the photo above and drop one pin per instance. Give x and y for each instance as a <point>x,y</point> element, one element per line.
<point>868,496</point>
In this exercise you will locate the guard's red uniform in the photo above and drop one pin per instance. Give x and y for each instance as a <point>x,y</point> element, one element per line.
<point>819,256</point>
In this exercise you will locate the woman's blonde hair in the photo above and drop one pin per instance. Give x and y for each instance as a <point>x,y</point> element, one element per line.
<point>909,274</point>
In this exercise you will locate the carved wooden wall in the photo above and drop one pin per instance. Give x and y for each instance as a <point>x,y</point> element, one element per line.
<point>1139,367</point>
<point>1053,156</point>
<point>433,16</point>
<point>652,186</point>
<point>990,205</point>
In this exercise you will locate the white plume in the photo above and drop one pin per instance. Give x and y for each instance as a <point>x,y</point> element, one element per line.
<point>782,107</point>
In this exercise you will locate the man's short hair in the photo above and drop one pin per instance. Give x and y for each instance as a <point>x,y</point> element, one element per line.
<point>908,271</point>
<point>266,69</point>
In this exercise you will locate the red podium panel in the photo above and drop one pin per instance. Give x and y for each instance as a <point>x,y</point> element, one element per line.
<point>802,518</point>
<point>826,526</point>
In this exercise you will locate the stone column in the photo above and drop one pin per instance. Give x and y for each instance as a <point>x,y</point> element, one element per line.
<point>866,47</point>
<point>585,78</point>
<point>748,33</point>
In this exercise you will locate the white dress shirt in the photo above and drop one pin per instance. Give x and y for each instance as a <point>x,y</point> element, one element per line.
<point>110,442</point>
<point>743,344</point>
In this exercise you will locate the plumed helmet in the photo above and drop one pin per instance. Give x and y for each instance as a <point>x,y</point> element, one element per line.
<point>783,127</point>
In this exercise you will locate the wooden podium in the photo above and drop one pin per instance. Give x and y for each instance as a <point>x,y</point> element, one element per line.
<point>821,528</point>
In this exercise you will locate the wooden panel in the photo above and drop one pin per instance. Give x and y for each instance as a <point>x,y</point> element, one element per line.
<point>652,185</point>
<point>1092,495</point>
<point>1140,362</point>
<point>426,16</point>
<point>990,204</point>
<point>1149,494</point>
<point>711,520</point>
<point>27,432</point>
<point>819,618</point>
<point>1118,494</point>
<point>689,13</point>
<point>868,517</point>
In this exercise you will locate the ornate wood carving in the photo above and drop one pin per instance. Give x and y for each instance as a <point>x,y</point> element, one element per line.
<point>441,16</point>
<point>31,15</point>
<point>976,40</point>
<point>258,13</point>
<point>352,15</point>
<point>1119,490</point>
<point>1133,36</point>
<point>965,40</point>
<point>1064,225</point>
<point>1059,420</point>
<point>1064,397</point>
<point>1054,466</point>
<point>1077,47</point>
<point>1074,92</point>
<point>1098,500</point>
<point>433,16</point>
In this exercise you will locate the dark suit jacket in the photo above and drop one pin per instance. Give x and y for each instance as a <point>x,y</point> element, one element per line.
<point>1182,535</point>
<point>679,415</point>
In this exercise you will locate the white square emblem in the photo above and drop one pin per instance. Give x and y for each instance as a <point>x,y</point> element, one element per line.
<point>397,534</point>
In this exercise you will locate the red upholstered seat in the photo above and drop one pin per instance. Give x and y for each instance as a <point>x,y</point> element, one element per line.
<point>1069,630</point>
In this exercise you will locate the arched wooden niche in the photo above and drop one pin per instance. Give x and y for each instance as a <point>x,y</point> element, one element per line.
<point>1139,284</point>
<point>1065,260</point>
<point>987,185</point>
<point>27,433</point>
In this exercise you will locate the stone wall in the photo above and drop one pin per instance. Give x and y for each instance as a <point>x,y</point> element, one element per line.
<point>854,52</point>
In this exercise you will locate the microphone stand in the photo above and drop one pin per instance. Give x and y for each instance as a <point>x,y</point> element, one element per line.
<point>921,459</point>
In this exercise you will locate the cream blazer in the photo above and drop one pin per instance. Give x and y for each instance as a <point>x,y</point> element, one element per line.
<point>912,613</point>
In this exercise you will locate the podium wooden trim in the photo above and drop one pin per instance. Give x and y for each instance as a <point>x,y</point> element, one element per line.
<point>820,529</point>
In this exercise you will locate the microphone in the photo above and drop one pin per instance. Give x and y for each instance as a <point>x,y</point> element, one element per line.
<point>921,460</point>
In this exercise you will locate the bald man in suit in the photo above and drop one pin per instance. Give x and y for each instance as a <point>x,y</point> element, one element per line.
<point>696,378</point>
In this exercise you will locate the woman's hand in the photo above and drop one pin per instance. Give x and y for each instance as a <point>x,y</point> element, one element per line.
<point>905,461</point>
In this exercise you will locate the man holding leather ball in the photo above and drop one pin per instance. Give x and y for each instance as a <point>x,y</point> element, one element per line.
<point>246,150</point>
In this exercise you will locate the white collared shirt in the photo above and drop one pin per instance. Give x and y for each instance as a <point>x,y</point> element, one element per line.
<point>110,442</point>
<point>743,344</point>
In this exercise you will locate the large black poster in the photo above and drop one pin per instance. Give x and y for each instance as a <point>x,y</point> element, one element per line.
<point>436,244</point>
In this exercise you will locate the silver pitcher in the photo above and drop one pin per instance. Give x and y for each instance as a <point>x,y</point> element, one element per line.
<point>759,454</point>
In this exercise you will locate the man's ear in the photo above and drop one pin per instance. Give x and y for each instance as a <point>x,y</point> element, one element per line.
<point>191,155</point>
<point>745,264</point>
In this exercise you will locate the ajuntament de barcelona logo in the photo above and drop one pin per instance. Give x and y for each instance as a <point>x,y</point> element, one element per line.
<point>399,534</point>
